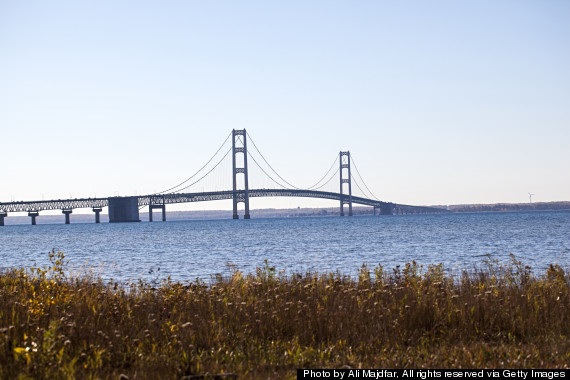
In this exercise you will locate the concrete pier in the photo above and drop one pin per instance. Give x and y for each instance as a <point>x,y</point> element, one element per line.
<point>3,214</point>
<point>387,209</point>
<point>161,207</point>
<point>123,209</point>
<point>33,215</point>
<point>67,213</point>
<point>97,211</point>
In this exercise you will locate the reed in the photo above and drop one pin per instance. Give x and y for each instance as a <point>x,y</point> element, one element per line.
<point>267,324</point>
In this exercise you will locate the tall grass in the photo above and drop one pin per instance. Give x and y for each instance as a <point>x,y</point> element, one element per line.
<point>264,325</point>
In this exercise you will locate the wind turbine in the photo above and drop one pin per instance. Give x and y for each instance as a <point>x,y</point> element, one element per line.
<point>530,198</point>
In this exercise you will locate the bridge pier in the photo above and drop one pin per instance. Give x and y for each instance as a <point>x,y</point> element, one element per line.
<point>123,209</point>
<point>387,209</point>
<point>97,211</point>
<point>161,207</point>
<point>67,212</point>
<point>157,202</point>
<point>33,215</point>
<point>3,214</point>
<point>246,214</point>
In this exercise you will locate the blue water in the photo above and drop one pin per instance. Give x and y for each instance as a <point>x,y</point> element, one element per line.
<point>186,250</point>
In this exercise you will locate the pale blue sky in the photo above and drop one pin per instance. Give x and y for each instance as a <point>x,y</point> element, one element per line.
<point>440,102</point>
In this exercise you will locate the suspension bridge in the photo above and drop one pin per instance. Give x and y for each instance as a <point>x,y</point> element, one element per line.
<point>216,169</point>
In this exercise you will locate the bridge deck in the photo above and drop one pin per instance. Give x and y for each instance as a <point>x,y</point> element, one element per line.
<point>172,198</point>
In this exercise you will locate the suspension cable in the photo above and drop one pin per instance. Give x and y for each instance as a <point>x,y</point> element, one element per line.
<point>211,170</point>
<point>328,171</point>
<point>259,166</point>
<point>275,181</point>
<point>195,174</point>
<point>357,185</point>
<point>298,188</point>
<point>279,184</point>
<point>255,146</point>
<point>330,179</point>
<point>363,182</point>
<point>364,193</point>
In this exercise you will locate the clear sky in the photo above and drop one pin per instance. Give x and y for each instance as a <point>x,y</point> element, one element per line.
<point>440,102</point>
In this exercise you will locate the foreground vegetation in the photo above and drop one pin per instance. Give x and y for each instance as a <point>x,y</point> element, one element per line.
<point>266,325</point>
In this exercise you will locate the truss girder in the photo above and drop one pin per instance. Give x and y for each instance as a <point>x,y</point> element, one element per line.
<point>58,204</point>
<point>145,200</point>
<point>258,193</point>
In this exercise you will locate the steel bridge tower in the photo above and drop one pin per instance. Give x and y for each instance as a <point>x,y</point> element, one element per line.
<point>344,160</point>
<point>239,196</point>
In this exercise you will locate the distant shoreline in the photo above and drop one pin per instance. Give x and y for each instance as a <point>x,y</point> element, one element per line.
<point>511,207</point>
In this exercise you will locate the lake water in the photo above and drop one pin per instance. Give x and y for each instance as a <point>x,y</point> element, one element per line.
<point>189,249</point>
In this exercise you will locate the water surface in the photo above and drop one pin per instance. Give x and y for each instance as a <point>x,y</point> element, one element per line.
<point>189,249</point>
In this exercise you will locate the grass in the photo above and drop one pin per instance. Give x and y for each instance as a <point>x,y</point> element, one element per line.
<point>267,324</point>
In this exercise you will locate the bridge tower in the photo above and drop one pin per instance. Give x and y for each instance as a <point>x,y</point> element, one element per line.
<point>344,160</point>
<point>238,195</point>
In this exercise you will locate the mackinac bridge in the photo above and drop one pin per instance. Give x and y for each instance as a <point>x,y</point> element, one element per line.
<point>231,157</point>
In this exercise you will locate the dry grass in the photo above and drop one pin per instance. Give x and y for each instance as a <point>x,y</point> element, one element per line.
<point>266,325</point>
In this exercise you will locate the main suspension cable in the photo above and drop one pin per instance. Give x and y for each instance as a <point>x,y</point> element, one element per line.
<point>357,185</point>
<point>328,171</point>
<point>255,146</point>
<point>279,184</point>
<point>363,182</point>
<point>259,166</point>
<point>313,187</point>
<point>330,179</point>
<point>195,174</point>
<point>211,170</point>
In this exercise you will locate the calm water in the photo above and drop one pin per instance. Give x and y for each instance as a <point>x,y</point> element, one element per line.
<point>186,250</point>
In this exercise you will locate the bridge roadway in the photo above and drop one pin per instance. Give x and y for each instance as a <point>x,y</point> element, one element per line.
<point>66,205</point>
